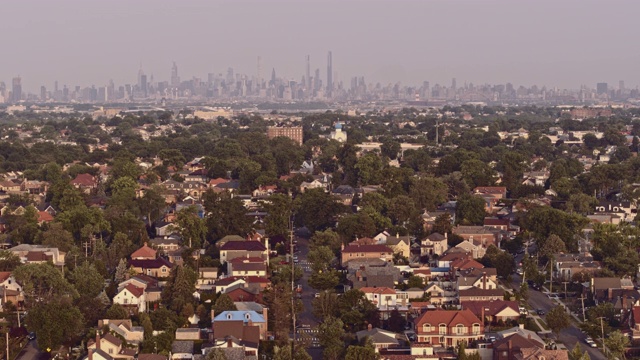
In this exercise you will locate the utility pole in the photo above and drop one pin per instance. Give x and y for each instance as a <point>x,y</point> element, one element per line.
<point>86,249</point>
<point>584,318</point>
<point>604,347</point>
<point>293,293</point>
<point>551,277</point>
<point>565,288</point>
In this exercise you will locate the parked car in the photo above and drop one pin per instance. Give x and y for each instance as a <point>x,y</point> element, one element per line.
<point>31,336</point>
<point>589,341</point>
<point>540,312</point>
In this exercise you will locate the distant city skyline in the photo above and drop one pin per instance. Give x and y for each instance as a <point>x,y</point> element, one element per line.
<point>562,44</point>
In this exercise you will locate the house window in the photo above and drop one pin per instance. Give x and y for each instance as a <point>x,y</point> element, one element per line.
<point>442,329</point>
<point>164,269</point>
<point>460,330</point>
<point>228,316</point>
<point>476,329</point>
<point>110,351</point>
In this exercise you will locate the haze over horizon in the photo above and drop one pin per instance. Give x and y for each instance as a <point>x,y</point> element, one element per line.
<point>554,43</point>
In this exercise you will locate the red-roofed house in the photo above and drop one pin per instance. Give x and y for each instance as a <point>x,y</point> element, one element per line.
<point>449,328</point>
<point>493,310</point>
<point>144,253</point>
<point>131,298</point>
<point>44,217</point>
<point>358,252</point>
<point>383,297</point>
<point>85,182</point>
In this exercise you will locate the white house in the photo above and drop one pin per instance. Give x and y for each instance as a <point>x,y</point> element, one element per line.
<point>132,298</point>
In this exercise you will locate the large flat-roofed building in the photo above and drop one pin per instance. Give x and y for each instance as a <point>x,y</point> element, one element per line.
<point>293,132</point>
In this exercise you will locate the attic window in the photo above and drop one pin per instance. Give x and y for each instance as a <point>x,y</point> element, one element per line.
<point>247,316</point>
<point>229,316</point>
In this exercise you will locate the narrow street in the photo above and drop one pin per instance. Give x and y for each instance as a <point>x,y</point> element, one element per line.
<point>570,336</point>
<point>31,352</point>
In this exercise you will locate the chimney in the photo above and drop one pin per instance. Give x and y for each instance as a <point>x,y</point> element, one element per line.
<point>624,302</point>
<point>265,315</point>
<point>528,336</point>
<point>369,327</point>
<point>229,342</point>
<point>97,340</point>
<point>484,281</point>
<point>609,294</point>
<point>90,357</point>
<point>445,235</point>
<point>482,314</point>
<point>213,314</point>
<point>509,347</point>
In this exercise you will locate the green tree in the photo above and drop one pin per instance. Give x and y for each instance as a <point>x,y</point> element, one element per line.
<point>325,305</point>
<point>121,271</point>
<point>415,282</point>
<point>356,225</point>
<point>147,325</point>
<point>396,321</point>
<point>470,210</point>
<point>225,216</point>
<point>390,148</point>
<point>180,287</point>
<point>369,169</point>
<point>477,173</point>
<point>558,319</point>
<point>375,200</point>
<point>278,208</point>
<point>43,282</point>
<point>428,192</point>
<point>550,246</point>
<point>330,334</point>
<point>56,236</point>
<point>582,204</point>
<point>328,238</point>
<point>9,261</point>
<point>616,343</point>
<point>117,312</point>
<point>87,280</point>
<point>55,322</point>
<point>443,224</point>
<point>367,352</point>
<point>192,228</point>
<point>152,203</point>
<point>224,303</point>
<point>317,210</point>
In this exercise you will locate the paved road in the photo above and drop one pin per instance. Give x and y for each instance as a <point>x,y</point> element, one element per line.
<point>569,337</point>
<point>31,352</point>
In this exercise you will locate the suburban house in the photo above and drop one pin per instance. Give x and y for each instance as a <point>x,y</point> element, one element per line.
<point>367,275</point>
<point>478,234</point>
<point>165,245</point>
<point>158,267</point>
<point>244,248</point>
<point>247,266</point>
<point>602,288</point>
<point>131,298</point>
<point>386,299</point>
<point>38,254</point>
<point>150,285</point>
<point>182,350</point>
<point>239,324</point>
<point>355,251</point>
<point>144,253</point>
<point>479,294</point>
<point>131,334</point>
<point>399,244</point>
<point>481,281</point>
<point>207,276</point>
<point>448,328</point>
<point>434,244</point>
<point>111,346</point>
<point>382,339</point>
<point>85,182</point>
<point>493,311</point>
<point>568,265</point>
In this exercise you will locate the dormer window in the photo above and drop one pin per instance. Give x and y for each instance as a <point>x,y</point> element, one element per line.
<point>247,316</point>
<point>229,316</point>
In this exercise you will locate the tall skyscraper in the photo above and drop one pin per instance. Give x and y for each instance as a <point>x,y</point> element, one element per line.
<point>259,80</point>
<point>308,78</point>
<point>329,74</point>
<point>43,93</point>
<point>16,89</point>
<point>175,79</point>
<point>602,88</point>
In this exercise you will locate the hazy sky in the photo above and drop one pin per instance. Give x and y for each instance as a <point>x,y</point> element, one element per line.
<point>562,43</point>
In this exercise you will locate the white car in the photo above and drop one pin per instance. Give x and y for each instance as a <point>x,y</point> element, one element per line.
<point>589,341</point>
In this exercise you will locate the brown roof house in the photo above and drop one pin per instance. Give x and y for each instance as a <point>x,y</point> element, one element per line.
<point>242,248</point>
<point>449,328</point>
<point>85,182</point>
<point>353,252</point>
